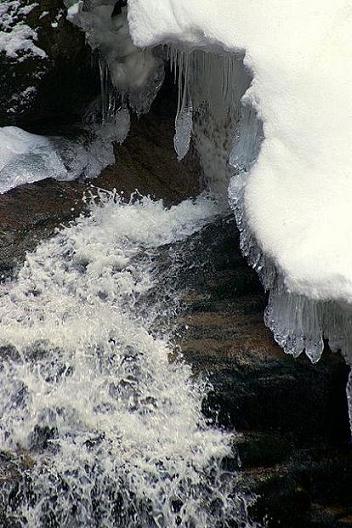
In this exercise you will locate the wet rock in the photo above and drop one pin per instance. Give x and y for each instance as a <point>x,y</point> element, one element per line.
<point>146,163</point>
<point>290,416</point>
<point>56,80</point>
<point>31,213</point>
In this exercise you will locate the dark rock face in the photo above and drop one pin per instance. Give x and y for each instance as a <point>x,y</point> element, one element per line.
<point>290,416</point>
<point>57,84</point>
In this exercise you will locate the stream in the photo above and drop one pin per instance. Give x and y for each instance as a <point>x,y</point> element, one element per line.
<point>96,400</point>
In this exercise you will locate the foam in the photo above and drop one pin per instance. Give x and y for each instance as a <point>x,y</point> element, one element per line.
<point>115,429</point>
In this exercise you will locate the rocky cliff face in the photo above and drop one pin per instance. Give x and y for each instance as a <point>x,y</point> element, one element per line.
<point>46,69</point>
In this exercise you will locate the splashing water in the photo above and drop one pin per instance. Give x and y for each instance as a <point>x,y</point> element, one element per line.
<point>114,429</point>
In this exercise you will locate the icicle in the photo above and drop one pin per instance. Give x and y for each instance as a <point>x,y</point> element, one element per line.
<point>183,132</point>
<point>214,83</point>
<point>349,396</point>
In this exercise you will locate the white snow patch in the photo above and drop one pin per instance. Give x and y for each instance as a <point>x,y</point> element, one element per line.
<point>129,66</point>
<point>21,38</point>
<point>136,74</point>
<point>17,39</point>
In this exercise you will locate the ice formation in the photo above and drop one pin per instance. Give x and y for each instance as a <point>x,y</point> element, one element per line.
<point>26,158</point>
<point>279,127</point>
<point>116,430</point>
<point>135,73</point>
<point>293,204</point>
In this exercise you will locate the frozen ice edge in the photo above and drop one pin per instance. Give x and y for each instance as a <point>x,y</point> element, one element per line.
<point>298,323</point>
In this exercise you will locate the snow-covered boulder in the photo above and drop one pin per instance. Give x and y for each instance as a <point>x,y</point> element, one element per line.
<point>45,67</point>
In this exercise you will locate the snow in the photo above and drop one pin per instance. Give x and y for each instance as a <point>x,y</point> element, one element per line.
<point>136,73</point>
<point>17,39</point>
<point>129,66</point>
<point>298,194</point>
<point>20,39</point>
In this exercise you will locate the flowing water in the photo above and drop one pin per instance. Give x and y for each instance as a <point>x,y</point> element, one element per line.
<point>113,429</point>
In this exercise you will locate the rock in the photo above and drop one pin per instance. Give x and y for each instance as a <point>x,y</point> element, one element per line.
<point>56,80</point>
<point>31,213</point>
<point>146,161</point>
<point>291,419</point>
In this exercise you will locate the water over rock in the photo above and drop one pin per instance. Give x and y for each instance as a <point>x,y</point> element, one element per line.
<point>294,441</point>
<point>290,416</point>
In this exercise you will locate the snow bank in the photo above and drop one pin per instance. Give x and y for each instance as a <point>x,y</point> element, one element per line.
<point>298,194</point>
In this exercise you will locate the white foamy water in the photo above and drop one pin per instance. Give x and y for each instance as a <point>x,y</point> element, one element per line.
<point>114,428</point>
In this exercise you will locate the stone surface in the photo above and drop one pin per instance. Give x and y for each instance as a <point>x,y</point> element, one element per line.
<point>56,87</point>
<point>291,416</point>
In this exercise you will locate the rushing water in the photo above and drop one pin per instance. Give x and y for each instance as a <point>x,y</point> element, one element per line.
<point>113,429</point>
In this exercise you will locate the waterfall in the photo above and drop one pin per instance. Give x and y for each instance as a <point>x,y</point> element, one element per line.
<point>113,429</point>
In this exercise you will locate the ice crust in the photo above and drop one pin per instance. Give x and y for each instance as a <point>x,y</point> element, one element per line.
<point>26,158</point>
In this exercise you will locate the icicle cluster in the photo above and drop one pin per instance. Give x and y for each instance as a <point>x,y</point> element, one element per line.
<point>228,134</point>
<point>208,95</point>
